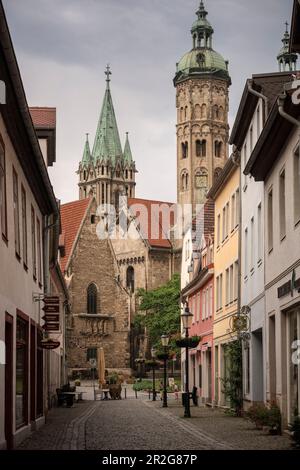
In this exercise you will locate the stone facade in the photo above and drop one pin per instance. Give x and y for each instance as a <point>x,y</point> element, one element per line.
<point>202,136</point>
<point>93,261</point>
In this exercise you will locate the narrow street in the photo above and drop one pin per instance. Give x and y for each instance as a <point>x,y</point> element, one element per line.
<point>142,425</point>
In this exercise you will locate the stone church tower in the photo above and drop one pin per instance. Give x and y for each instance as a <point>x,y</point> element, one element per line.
<point>107,172</point>
<point>202,81</point>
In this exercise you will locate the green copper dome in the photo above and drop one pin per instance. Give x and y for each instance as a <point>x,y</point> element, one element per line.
<point>202,59</point>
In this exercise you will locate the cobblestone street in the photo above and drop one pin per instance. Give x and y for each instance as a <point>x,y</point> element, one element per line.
<point>142,425</point>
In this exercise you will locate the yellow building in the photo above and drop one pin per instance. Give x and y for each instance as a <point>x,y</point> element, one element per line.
<point>226,194</point>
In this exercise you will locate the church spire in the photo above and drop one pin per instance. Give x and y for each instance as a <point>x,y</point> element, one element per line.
<point>127,151</point>
<point>202,30</point>
<point>287,60</point>
<point>87,157</point>
<point>107,143</point>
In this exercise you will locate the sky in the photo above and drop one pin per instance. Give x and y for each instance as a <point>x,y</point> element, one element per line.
<point>63,46</point>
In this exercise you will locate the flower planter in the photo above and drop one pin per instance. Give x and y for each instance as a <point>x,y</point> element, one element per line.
<point>115,391</point>
<point>188,343</point>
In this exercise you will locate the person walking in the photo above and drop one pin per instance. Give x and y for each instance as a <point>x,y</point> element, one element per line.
<point>161,389</point>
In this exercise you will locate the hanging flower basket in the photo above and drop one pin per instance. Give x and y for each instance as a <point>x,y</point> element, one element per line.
<point>163,356</point>
<point>188,342</point>
<point>152,364</point>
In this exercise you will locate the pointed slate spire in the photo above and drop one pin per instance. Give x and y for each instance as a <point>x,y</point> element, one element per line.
<point>107,141</point>
<point>87,157</point>
<point>127,151</point>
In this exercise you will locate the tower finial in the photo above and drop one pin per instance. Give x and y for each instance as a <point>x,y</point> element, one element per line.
<point>287,26</point>
<point>107,73</point>
<point>87,136</point>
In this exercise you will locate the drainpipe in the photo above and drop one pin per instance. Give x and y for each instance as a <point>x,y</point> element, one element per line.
<point>282,113</point>
<point>263,97</point>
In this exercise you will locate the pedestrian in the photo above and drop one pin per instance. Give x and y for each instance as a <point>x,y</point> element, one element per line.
<point>176,392</point>
<point>161,388</point>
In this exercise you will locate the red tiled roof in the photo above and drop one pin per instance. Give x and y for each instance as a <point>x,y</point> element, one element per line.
<point>151,221</point>
<point>43,117</point>
<point>71,217</point>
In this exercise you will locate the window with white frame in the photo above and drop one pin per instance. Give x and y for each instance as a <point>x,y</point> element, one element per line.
<point>270,220</point>
<point>206,303</point>
<point>198,307</point>
<point>227,287</point>
<point>259,234</point>
<point>227,219</point>
<point>282,213</point>
<point>203,304</point>
<point>224,224</point>
<point>237,207</point>
<point>211,300</point>
<point>252,244</point>
<point>297,186</point>
<point>246,253</point>
<point>231,280</point>
<point>218,230</point>
<point>233,212</point>
<point>236,280</point>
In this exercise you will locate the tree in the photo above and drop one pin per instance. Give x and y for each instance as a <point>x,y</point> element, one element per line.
<point>159,310</point>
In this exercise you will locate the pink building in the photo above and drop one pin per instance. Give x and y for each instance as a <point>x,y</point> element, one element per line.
<point>199,294</point>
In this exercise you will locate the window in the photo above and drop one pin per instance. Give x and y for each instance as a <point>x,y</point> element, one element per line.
<point>92,299</point>
<point>130,278</point>
<point>270,220</point>
<point>91,353</point>
<point>16,212</point>
<point>258,120</point>
<point>184,149</point>
<point>3,208</point>
<point>247,369</point>
<point>236,281</point>
<point>259,234</point>
<point>224,224</point>
<point>203,304</point>
<point>245,163</point>
<point>297,187</point>
<point>227,287</point>
<point>39,256</point>
<point>33,245</point>
<point>231,280</point>
<point>246,254</point>
<point>206,303</point>
<point>126,174</point>
<point>24,226</point>
<point>21,373</point>
<point>227,220</point>
<point>251,139</point>
<point>221,291</point>
<point>233,212</point>
<point>218,230</point>
<point>218,149</point>
<point>237,207</point>
<point>211,301</point>
<point>282,214</point>
<point>252,245</point>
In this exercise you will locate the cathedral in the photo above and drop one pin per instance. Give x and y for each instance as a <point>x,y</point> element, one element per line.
<point>104,274</point>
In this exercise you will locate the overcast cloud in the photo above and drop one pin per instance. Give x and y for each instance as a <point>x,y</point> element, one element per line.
<point>63,46</point>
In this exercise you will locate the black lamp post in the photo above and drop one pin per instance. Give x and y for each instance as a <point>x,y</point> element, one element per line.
<point>186,318</point>
<point>165,342</point>
<point>153,354</point>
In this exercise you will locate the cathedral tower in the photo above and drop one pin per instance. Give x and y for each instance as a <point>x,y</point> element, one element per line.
<point>287,60</point>
<point>107,172</point>
<point>202,81</point>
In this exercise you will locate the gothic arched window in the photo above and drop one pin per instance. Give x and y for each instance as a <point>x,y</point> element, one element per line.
<point>130,278</point>
<point>203,111</point>
<point>184,180</point>
<point>216,112</point>
<point>92,299</point>
<point>201,148</point>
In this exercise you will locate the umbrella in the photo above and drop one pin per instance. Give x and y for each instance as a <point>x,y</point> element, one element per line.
<point>101,366</point>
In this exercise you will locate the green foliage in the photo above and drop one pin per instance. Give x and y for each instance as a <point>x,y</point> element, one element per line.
<point>113,379</point>
<point>159,311</point>
<point>146,385</point>
<point>262,415</point>
<point>233,382</point>
<point>295,429</point>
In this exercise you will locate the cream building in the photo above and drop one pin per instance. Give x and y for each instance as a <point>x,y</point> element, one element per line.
<point>225,194</point>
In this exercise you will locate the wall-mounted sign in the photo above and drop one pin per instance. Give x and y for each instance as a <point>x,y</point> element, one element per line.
<point>50,344</point>
<point>51,317</point>
<point>285,289</point>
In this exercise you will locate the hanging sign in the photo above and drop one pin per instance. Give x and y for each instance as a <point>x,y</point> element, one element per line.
<point>49,344</point>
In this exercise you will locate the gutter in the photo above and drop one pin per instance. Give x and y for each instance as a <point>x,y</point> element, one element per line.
<point>263,97</point>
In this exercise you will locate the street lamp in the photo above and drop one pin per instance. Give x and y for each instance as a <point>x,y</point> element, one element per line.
<point>165,342</point>
<point>153,355</point>
<point>186,318</point>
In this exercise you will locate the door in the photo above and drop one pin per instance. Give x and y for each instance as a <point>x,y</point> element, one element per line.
<point>209,394</point>
<point>9,381</point>
<point>32,373</point>
<point>293,370</point>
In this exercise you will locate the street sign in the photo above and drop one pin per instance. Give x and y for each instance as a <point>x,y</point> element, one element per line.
<point>51,318</point>
<point>49,344</point>
<point>93,362</point>
<point>51,299</point>
<point>51,327</point>
<point>51,308</point>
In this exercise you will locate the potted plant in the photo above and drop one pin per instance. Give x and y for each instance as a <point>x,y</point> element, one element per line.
<point>191,342</point>
<point>114,386</point>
